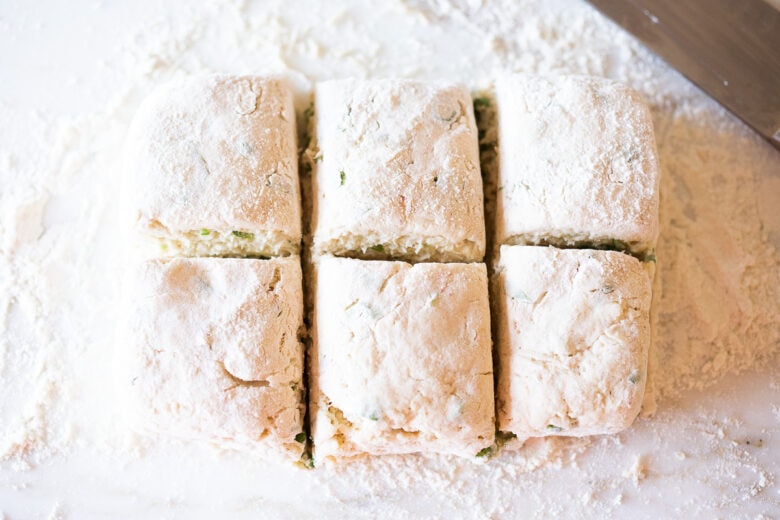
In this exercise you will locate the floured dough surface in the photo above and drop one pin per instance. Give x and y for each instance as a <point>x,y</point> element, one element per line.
<point>214,352</point>
<point>213,168</point>
<point>401,360</point>
<point>578,164</point>
<point>397,171</point>
<point>572,333</point>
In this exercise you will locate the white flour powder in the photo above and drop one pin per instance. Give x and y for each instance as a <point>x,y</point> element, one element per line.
<point>717,289</point>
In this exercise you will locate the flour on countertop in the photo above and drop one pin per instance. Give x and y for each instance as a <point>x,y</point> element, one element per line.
<point>718,279</point>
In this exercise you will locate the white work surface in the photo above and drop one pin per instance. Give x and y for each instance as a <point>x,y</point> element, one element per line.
<point>73,74</point>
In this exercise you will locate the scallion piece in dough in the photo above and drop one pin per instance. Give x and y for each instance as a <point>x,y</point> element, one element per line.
<point>482,102</point>
<point>484,452</point>
<point>244,235</point>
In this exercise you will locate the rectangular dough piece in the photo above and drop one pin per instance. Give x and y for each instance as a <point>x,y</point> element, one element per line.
<point>578,164</point>
<point>397,172</point>
<point>572,334</point>
<point>215,355</point>
<point>213,168</point>
<point>401,359</point>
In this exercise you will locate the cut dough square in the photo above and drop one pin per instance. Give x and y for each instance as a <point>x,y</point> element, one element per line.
<point>578,164</point>
<point>401,359</point>
<point>572,333</point>
<point>397,172</point>
<point>215,353</point>
<point>213,168</point>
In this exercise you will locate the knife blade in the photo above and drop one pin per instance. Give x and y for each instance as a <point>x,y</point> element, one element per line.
<point>728,48</point>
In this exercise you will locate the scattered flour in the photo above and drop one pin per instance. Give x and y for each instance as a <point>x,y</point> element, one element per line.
<point>717,287</point>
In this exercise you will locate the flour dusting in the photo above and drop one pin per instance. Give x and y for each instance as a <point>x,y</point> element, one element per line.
<point>717,287</point>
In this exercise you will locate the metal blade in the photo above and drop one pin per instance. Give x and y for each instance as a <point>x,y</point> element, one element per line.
<point>729,48</point>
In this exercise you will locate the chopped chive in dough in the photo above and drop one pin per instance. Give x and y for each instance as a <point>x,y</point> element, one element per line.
<point>343,177</point>
<point>301,437</point>
<point>451,116</point>
<point>373,417</point>
<point>650,257</point>
<point>633,377</point>
<point>617,245</point>
<point>309,111</point>
<point>554,428</point>
<point>606,289</point>
<point>244,235</point>
<point>204,232</point>
<point>485,452</point>
<point>482,102</point>
<point>379,248</point>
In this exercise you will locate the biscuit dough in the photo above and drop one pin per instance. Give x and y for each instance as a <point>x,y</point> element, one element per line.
<point>397,172</point>
<point>572,333</point>
<point>214,352</point>
<point>212,168</point>
<point>401,360</point>
<point>578,164</point>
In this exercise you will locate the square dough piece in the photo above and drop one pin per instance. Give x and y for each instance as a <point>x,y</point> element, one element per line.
<point>215,352</point>
<point>213,168</point>
<point>578,164</point>
<point>397,172</point>
<point>401,359</point>
<point>572,333</point>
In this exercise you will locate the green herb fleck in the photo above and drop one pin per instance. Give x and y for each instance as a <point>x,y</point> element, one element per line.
<point>485,452</point>
<point>554,428</point>
<point>343,177</point>
<point>650,257</point>
<point>633,377</point>
<point>606,289</point>
<point>204,232</point>
<point>301,437</point>
<point>450,117</point>
<point>318,157</point>
<point>309,112</point>
<point>244,235</point>
<point>482,102</point>
<point>373,417</point>
<point>379,248</point>
<point>617,245</point>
